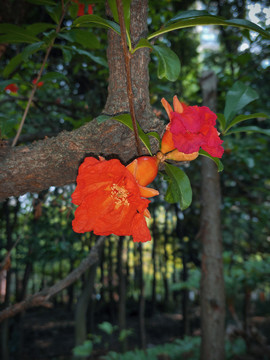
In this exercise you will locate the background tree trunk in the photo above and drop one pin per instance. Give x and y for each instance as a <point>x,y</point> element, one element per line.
<point>122,290</point>
<point>212,281</point>
<point>82,306</point>
<point>141,301</point>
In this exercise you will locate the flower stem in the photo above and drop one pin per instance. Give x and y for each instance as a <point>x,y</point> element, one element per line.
<point>127,57</point>
<point>15,140</point>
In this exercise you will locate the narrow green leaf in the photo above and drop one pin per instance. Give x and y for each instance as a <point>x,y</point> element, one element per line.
<point>16,34</point>
<point>67,54</point>
<point>126,10</point>
<point>12,65</point>
<point>222,121</point>
<point>250,129</point>
<point>98,21</point>
<point>142,44</point>
<point>54,75</point>
<point>42,2</point>
<point>31,49</point>
<point>237,98</point>
<point>215,159</point>
<point>169,63</point>
<point>84,37</point>
<point>155,135</point>
<point>55,12</point>
<point>179,189</point>
<point>241,118</point>
<point>97,59</point>
<point>38,28</point>
<point>73,10</point>
<point>191,18</point>
<point>126,120</point>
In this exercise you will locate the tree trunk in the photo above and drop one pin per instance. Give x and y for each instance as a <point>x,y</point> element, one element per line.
<point>110,280</point>
<point>154,263</point>
<point>82,306</point>
<point>165,268</point>
<point>121,290</point>
<point>55,161</point>
<point>141,301</point>
<point>212,281</point>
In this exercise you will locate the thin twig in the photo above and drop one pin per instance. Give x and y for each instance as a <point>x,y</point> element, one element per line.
<point>42,297</point>
<point>127,57</point>
<point>38,78</point>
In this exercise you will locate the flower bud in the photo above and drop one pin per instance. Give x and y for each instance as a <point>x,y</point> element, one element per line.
<point>180,156</point>
<point>167,143</point>
<point>144,169</point>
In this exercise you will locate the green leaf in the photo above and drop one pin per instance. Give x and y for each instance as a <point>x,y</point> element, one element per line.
<point>84,37</point>
<point>142,44</point>
<point>16,34</point>
<point>107,327</point>
<point>126,10</point>
<point>42,2</point>
<point>83,350</point>
<point>38,28</point>
<point>179,189</point>
<point>250,129</point>
<point>155,135</point>
<point>12,65</point>
<point>98,21</point>
<point>187,19</point>
<point>126,120</point>
<point>97,59</point>
<point>237,98</point>
<point>31,49</point>
<point>241,118</point>
<point>23,56</point>
<point>73,10</point>
<point>54,75</point>
<point>169,63</point>
<point>67,54</point>
<point>222,121</point>
<point>55,12</point>
<point>215,159</point>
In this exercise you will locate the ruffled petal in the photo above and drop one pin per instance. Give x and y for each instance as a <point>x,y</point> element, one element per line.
<point>139,229</point>
<point>167,107</point>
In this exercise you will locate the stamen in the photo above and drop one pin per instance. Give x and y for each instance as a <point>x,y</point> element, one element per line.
<point>119,195</point>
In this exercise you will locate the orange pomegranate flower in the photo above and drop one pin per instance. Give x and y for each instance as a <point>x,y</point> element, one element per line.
<point>110,201</point>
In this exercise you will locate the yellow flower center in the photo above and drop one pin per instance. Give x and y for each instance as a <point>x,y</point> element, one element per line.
<point>119,195</point>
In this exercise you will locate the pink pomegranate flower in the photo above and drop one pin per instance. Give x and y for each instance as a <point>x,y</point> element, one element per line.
<point>192,128</point>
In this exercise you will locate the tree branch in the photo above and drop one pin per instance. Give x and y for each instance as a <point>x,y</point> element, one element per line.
<point>127,56</point>
<point>42,298</point>
<point>39,76</point>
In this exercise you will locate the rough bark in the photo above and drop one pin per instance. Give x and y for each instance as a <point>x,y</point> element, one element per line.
<point>212,281</point>
<point>55,161</point>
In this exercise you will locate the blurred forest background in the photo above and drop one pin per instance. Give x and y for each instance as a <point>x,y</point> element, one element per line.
<point>106,302</point>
